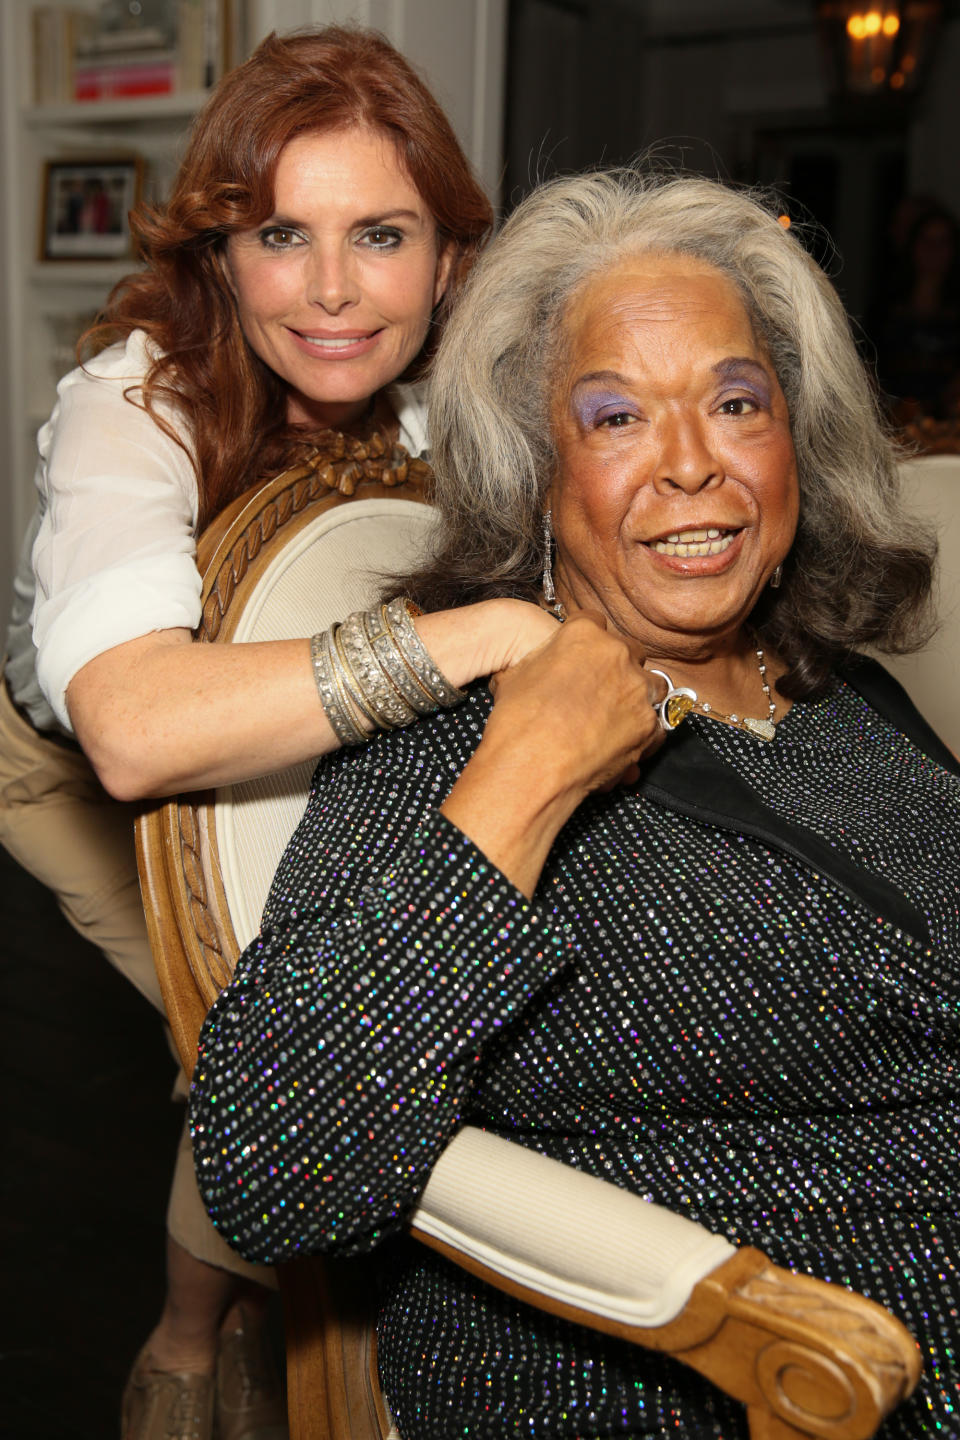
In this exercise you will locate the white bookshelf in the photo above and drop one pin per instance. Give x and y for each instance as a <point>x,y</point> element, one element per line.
<point>139,111</point>
<point>42,298</point>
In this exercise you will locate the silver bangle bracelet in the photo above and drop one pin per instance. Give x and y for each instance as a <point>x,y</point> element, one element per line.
<point>384,647</point>
<point>388,709</point>
<point>348,682</point>
<point>373,672</point>
<point>335,707</point>
<point>365,722</point>
<point>416,656</point>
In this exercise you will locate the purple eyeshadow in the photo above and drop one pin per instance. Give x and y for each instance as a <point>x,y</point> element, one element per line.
<point>748,376</point>
<point>589,405</point>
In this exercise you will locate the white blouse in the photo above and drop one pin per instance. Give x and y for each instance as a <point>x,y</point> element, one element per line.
<point>113,553</point>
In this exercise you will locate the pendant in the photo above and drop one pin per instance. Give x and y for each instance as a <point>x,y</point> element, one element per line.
<point>676,707</point>
<point>764,729</point>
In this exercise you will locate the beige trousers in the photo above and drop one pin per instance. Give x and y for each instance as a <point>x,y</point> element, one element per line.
<point>58,822</point>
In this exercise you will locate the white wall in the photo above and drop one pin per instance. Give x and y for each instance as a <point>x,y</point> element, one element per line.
<point>459,46</point>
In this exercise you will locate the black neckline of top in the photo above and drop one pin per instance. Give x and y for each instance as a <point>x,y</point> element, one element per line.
<point>688,776</point>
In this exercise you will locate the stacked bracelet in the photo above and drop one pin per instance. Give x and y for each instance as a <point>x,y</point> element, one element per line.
<point>373,672</point>
<point>346,724</point>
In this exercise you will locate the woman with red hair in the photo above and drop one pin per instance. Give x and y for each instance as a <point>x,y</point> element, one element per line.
<point>320,224</point>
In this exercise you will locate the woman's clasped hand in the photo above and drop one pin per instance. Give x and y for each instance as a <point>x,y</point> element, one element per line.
<point>575,716</point>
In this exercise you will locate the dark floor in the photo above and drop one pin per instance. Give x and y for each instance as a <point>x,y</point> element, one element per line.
<point>88,1150</point>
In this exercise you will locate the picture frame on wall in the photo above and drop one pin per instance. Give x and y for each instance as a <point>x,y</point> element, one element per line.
<point>85,207</point>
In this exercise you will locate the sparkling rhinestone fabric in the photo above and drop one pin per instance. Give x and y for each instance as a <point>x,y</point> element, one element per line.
<point>683,1010</point>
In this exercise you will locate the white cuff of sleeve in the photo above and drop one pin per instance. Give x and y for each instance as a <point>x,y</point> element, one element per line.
<point>159,593</point>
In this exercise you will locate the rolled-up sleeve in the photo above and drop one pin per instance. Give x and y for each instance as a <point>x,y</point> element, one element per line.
<point>114,558</point>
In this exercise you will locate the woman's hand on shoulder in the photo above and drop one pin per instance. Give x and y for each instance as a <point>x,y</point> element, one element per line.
<point>160,714</point>
<point>484,638</point>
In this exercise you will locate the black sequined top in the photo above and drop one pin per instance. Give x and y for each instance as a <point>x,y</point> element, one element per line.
<point>736,992</point>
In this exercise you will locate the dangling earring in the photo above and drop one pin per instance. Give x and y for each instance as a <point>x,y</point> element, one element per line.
<point>549,593</point>
<point>776,577</point>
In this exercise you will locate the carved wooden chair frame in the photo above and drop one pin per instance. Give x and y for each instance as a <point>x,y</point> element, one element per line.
<point>332,1388</point>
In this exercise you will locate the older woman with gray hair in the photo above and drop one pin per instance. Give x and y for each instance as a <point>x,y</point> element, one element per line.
<point>676,899</point>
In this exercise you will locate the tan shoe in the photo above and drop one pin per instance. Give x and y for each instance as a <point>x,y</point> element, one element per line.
<point>166,1405</point>
<point>249,1403</point>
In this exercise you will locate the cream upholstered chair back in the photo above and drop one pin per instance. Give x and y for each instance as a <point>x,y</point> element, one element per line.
<point>334,565</point>
<point>286,559</point>
<point>932,677</point>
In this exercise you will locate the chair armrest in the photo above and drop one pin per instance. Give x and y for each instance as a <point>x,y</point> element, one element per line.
<point>806,1358</point>
<point>567,1236</point>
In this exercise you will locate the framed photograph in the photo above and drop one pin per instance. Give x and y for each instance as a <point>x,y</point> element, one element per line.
<point>85,208</point>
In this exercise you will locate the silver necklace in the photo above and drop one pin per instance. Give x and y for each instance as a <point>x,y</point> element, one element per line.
<point>764,729</point>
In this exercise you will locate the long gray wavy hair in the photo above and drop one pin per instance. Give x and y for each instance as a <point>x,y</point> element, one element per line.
<point>860,569</point>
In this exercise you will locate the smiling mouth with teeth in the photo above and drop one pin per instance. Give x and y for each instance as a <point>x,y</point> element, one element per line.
<point>688,543</point>
<point>319,342</point>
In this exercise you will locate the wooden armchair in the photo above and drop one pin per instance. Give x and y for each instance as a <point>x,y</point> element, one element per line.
<point>806,1358</point>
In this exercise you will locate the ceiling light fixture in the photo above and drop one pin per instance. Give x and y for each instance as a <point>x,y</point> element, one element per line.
<point>877,50</point>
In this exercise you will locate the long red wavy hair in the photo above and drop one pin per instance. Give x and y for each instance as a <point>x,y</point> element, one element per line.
<point>319,80</point>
